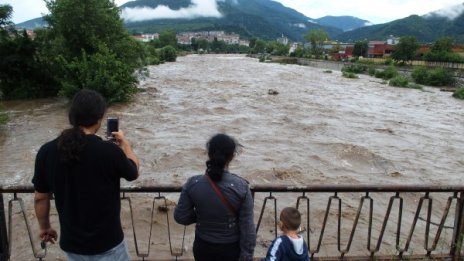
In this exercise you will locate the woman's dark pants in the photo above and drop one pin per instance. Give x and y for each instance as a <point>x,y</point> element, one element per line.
<point>206,251</point>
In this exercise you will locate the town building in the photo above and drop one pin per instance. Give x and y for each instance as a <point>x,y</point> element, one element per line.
<point>146,37</point>
<point>185,38</point>
<point>283,40</point>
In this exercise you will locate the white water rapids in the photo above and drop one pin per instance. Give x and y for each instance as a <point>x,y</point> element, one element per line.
<point>320,128</point>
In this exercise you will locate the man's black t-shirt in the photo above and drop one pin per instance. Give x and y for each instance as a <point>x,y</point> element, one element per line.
<point>86,193</point>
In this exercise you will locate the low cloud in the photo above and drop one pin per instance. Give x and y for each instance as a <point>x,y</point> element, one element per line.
<point>198,8</point>
<point>451,12</point>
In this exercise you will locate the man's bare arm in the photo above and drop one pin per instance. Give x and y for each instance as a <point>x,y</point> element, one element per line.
<point>126,148</point>
<point>42,211</point>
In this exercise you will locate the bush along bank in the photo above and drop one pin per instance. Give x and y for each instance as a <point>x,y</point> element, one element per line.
<point>459,93</point>
<point>3,116</point>
<point>420,75</point>
<point>71,54</point>
<point>432,77</point>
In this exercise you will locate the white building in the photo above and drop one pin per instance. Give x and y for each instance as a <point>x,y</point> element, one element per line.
<point>283,40</point>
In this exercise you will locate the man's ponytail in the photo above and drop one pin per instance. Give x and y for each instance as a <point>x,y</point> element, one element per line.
<point>87,108</point>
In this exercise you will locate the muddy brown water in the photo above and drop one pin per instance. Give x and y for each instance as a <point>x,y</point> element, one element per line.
<point>320,128</point>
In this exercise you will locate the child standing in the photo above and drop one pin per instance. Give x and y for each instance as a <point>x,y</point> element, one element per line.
<point>290,246</point>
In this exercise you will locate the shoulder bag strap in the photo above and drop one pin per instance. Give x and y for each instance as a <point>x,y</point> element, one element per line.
<point>221,196</point>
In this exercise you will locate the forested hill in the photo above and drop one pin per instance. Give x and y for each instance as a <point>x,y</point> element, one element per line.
<point>266,19</point>
<point>426,28</point>
<point>346,23</point>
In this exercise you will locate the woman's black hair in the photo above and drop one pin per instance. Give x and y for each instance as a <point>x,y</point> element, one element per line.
<point>87,108</point>
<point>221,150</point>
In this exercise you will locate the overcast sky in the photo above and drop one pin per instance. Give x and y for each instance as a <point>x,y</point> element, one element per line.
<point>376,12</point>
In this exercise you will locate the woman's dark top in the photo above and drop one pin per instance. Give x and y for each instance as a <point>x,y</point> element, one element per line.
<point>198,203</point>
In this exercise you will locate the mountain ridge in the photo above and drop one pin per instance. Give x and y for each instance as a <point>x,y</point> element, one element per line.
<point>344,22</point>
<point>261,18</point>
<point>426,28</point>
<point>269,19</point>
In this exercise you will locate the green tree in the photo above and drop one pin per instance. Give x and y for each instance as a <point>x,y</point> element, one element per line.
<point>23,74</point>
<point>203,44</point>
<point>406,49</point>
<point>194,44</point>
<point>360,49</point>
<point>259,47</point>
<point>167,38</point>
<point>218,46</point>
<point>277,48</point>
<point>299,52</point>
<point>316,38</point>
<point>91,33</point>
<point>252,42</point>
<point>444,44</point>
<point>168,54</point>
<point>442,51</point>
<point>5,16</point>
<point>6,11</point>
<point>102,72</point>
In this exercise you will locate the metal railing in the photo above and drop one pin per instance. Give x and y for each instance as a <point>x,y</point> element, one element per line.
<point>393,198</point>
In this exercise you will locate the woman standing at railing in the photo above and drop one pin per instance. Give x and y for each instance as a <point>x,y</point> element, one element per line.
<point>221,205</point>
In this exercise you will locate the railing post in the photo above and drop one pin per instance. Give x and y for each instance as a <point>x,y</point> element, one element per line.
<point>4,255</point>
<point>458,232</point>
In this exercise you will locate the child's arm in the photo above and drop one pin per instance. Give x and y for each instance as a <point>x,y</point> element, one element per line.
<point>275,250</point>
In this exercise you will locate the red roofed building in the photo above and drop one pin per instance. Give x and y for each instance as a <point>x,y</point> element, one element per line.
<point>379,49</point>
<point>345,54</point>
<point>376,49</point>
<point>349,51</point>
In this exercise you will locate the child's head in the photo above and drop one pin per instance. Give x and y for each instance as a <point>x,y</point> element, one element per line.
<point>290,219</point>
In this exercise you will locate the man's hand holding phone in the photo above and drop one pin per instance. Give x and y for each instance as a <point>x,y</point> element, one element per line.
<point>112,125</point>
<point>117,136</point>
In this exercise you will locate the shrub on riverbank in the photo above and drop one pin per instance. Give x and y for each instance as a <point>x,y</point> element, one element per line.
<point>101,72</point>
<point>3,116</point>
<point>167,53</point>
<point>71,54</point>
<point>388,73</point>
<point>23,72</point>
<point>371,70</point>
<point>432,77</point>
<point>354,68</point>
<point>440,77</point>
<point>399,81</point>
<point>459,93</point>
<point>350,75</point>
<point>420,75</point>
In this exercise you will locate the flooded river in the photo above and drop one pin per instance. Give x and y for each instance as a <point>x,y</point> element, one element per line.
<point>320,128</point>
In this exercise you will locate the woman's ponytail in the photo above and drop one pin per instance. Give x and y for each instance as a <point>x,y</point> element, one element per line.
<point>221,150</point>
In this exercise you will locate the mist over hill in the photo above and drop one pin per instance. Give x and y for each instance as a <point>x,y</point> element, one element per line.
<point>261,18</point>
<point>268,19</point>
<point>426,28</point>
<point>346,23</point>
